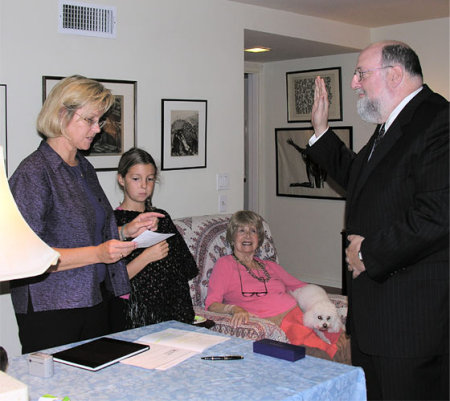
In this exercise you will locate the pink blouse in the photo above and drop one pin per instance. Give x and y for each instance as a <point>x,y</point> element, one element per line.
<point>224,287</point>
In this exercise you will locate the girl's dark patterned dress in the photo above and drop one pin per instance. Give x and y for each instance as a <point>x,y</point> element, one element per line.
<point>160,291</point>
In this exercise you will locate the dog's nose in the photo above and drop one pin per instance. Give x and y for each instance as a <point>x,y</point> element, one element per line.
<point>325,325</point>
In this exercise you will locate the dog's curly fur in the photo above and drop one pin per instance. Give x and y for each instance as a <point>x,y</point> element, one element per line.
<point>319,313</point>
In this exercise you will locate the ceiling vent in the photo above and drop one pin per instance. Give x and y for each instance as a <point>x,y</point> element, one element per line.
<point>87,19</point>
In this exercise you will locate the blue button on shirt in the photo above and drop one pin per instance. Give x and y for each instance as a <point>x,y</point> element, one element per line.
<point>57,208</point>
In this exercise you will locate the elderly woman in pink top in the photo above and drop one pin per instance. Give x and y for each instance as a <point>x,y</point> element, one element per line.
<point>243,285</point>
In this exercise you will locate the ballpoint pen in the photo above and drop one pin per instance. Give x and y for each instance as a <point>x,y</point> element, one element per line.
<point>222,358</point>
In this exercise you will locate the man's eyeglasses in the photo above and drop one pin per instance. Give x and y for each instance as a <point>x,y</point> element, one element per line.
<point>91,122</point>
<point>252,293</point>
<point>361,74</point>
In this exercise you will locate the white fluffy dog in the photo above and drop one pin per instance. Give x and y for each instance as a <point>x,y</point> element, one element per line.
<point>319,313</point>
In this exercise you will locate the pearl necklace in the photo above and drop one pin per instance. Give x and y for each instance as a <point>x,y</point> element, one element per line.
<point>249,271</point>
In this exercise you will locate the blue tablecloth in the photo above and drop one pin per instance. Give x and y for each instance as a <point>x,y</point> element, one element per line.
<point>256,377</point>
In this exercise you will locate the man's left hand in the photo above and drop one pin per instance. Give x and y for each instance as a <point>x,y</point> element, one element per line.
<point>354,263</point>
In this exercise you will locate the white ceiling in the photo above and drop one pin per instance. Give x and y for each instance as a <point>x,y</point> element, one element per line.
<point>368,13</point>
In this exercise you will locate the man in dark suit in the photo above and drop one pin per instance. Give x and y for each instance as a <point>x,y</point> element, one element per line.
<point>397,222</point>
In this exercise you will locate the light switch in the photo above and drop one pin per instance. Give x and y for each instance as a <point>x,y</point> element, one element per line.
<point>223,181</point>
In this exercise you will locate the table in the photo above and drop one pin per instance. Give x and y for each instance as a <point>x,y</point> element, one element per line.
<point>256,377</point>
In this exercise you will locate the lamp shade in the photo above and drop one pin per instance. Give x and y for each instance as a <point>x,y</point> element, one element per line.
<point>22,252</point>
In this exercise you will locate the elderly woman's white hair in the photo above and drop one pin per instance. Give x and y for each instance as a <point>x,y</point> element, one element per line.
<point>245,218</point>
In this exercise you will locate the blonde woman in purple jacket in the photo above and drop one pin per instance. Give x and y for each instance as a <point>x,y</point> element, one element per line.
<point>58,193</point>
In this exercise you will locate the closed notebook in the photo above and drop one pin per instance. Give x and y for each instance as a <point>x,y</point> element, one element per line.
<point>98,354</point>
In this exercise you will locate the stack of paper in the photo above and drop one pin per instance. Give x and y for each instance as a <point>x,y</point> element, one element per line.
<point>170,347</point>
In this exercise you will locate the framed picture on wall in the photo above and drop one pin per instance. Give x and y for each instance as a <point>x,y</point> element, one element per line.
<point>183,142</point>
<point>300,93</point>
<point>119,133</point>
<point>296,174</point>
<point>3,126</point>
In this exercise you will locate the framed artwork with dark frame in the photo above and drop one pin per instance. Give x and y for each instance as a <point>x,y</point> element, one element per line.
<point>300,93</point>
<point>3,126</point>
<point>183,142</point>
<point>119,133</point>
<point>296,174</point>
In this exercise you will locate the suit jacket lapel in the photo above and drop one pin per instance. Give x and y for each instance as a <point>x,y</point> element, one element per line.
<point>358,175</point>
<point>391,137</point>
<point>363,168</point>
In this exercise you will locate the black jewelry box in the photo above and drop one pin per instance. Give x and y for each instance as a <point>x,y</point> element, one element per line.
<point>277,349</point>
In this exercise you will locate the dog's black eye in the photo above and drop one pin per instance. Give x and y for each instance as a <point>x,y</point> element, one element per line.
<point>319,317</point>
<point>329,318</point>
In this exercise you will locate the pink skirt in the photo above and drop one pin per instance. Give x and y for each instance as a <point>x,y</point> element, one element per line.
<point>298,334</point>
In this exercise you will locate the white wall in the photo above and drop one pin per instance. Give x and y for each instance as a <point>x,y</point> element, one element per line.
<point>169,49</point>
<point>307,231</point>
<point>173,49</point>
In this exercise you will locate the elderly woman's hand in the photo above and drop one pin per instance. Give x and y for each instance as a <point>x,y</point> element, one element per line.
<point>240,315</point>
<point>143,222</point>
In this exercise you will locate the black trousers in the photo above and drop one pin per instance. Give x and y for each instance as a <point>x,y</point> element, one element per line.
<point>403,378</point>
<point>47,329</point>
<point>118,310</point>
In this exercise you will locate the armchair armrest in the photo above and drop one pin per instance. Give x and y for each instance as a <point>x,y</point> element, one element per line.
<point>255,329</point>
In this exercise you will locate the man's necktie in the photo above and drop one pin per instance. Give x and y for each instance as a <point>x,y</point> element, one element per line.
<point>379,137</point>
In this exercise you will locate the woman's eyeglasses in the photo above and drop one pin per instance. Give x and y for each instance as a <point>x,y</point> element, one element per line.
<point>252,293</point>
<point>91,122</point>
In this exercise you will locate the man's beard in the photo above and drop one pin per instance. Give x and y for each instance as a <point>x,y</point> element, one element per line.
<point>370,110</point>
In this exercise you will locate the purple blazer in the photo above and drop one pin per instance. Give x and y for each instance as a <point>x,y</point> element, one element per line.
<point>54,203</point>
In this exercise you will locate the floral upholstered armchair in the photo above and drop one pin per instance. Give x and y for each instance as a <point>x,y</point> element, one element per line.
<point>205,237</point>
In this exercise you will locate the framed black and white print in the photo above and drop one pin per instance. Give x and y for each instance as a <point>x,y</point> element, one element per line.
<point>3,137</point>
<point>297,175</point>
<point>183,142</point>
<point>300,93</point>
<point>119,133</point>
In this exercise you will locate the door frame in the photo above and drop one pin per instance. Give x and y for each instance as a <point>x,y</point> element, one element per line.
<point>251,137</point>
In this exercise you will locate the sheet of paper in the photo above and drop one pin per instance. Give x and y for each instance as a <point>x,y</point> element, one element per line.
<point>159,357</point>
<point>188,340</point>
<point>149,238</point>
<point>170,347</point>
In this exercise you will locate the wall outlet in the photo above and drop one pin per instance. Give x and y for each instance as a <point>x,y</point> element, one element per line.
<point>223,203</point>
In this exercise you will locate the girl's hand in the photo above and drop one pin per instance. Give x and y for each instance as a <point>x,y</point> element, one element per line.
<point>143,222</point>
<point>156,252</point>
<point>113,250</point>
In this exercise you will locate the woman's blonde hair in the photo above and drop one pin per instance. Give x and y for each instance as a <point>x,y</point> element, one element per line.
<point>69,95</point>
<point>245,218</point>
